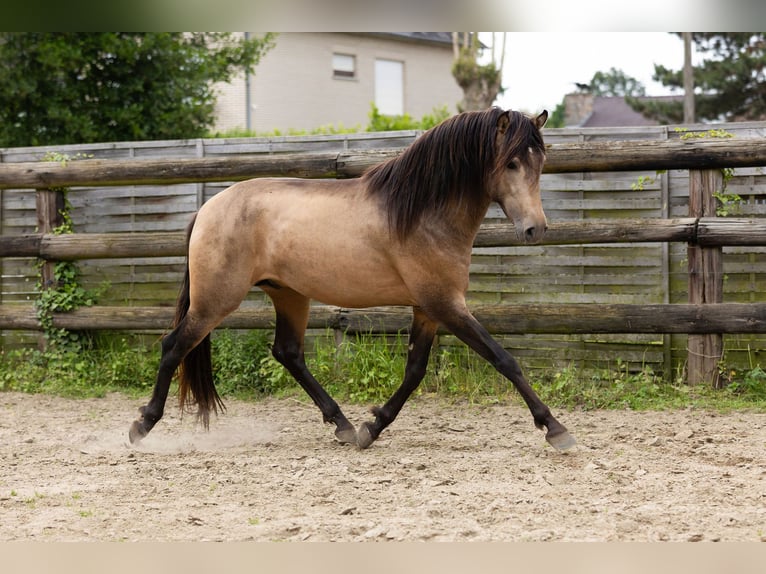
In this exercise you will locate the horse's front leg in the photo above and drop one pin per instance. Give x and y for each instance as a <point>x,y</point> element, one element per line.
<point>464,325</point>
<point>292,317</point>
<point>422,335</point>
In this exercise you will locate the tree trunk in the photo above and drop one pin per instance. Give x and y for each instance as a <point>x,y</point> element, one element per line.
<point>480,82</point>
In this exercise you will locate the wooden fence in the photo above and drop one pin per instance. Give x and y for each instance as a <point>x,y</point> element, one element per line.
<point>700,235</point>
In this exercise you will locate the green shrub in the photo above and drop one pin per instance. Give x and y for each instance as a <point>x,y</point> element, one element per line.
<point>363,369</point>
<point>237,363</point>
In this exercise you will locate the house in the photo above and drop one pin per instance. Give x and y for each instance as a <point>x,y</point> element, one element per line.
<point>308,80</point>
<point>588,110</point>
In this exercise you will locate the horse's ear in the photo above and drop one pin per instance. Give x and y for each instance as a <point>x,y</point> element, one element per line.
<point>541,119</point>
<point>503,122</point>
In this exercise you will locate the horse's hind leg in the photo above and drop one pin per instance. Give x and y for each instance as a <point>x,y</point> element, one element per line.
<point>175,347</point>
<point>422,335</point>
<point>292,318</point>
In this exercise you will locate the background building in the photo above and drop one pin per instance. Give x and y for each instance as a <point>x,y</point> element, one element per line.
<point>584,110</point>
<point>310,80</point>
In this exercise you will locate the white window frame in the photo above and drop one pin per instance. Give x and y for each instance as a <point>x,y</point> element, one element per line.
<point>389,86</point>
<point>343,66</point>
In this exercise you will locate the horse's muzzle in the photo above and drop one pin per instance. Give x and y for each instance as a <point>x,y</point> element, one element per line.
<point>534,233</point>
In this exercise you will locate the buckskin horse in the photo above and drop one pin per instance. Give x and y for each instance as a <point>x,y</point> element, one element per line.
<point>399,235</point>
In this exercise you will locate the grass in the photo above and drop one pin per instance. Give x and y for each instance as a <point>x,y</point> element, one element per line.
<point>620,388</point>
<point>365,370</point>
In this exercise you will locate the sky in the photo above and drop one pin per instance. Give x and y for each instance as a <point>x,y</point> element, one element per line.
<point>541,67</point>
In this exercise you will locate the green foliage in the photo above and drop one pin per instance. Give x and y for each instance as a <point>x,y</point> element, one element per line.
<point>367,369</point>
<point>481,83</point>
<point>377,123</point>
<point>237,363</point>
<point>65,293</point>
<point>613,387</point>
<point>383,123</point>
<point>615,83</point>
<point>622,387</point>
<point>751,383</point>
<point>467,71</point>
<point>79,87</point>
<point>329,129</point>
<point>686,134</point>
<point>729,82</point>
<point>728,203</point>
<point>748,383</point>
<point>644,180</point>
<point>363,369</point>
<point>101,367</point>
<point>557,119</point>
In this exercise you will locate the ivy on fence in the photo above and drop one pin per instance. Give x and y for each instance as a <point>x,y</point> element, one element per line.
<point>65,292</point>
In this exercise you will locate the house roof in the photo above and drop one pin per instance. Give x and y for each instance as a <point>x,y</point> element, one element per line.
<point>437,37</point>
<point>607,111</point>
<point>614,111</point>
<point>440,38</point>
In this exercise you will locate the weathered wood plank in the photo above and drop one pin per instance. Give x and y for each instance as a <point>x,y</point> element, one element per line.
<point>107,245</point>
<point>594,231</point>
<point>705,280</point>
<point>718,231</point>
<point>497,318</point>
<point>704,231</point>
<point>561,158</point>
<point>709,153</point>
<point>97,172</point>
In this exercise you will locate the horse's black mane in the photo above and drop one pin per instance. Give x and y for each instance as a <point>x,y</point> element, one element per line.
<point>449,164</point>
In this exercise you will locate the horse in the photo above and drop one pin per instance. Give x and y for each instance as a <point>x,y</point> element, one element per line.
<point>401,234</point>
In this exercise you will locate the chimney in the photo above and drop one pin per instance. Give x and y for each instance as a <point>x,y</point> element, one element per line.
<point>577,108</point>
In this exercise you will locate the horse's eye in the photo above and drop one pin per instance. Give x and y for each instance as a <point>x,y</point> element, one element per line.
<point>513,165</point>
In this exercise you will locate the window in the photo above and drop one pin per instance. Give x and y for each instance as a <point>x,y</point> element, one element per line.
<point>389,87</point>
<point>343,66</point>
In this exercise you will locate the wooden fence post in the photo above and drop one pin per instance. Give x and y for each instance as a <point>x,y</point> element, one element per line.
<point>49,204</point>
<point>704,352</point>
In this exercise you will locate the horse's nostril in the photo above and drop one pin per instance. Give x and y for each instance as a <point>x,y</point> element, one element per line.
<point>533,234</point>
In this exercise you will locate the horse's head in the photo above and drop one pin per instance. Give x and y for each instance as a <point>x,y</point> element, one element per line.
<point>520,154</point>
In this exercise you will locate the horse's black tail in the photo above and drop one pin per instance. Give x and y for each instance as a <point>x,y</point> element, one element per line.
<point>195,374</point>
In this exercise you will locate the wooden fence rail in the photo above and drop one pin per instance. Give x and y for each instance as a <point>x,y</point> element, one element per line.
<point>702,231</point>
<point>561,158</point>
<point>572,318</point>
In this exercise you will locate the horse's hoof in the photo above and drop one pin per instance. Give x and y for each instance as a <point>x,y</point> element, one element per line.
<point>561,441</point>
<point>364,437</point>
<point>136,433</point>
<point>346,436</point>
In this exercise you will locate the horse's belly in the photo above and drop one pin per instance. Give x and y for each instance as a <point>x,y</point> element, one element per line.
<point>350,286</point>
<point>353,297</point>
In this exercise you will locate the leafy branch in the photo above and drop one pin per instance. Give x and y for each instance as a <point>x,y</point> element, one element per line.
<point>728,203</point>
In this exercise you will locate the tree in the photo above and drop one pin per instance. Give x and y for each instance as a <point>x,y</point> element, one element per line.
<point>62,88</point>
<point>730,82</point>
<point>615,83</point>
<point>481,83</point>
<point>557,119</point>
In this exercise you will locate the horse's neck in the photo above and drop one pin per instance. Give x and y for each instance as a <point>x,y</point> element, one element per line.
<point>463,222</point>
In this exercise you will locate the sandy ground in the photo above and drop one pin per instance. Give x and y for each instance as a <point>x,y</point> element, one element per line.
<point>271,471</point>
